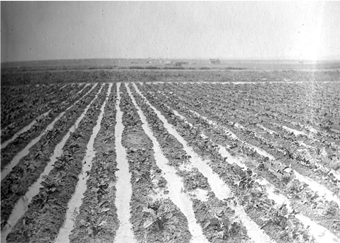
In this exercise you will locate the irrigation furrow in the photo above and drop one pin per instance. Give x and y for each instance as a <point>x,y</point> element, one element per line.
<point>26,150</point>
<point>154,216</point>
<point>322,190</point>
<point>39,120</point>
<point>25,129</point>
<point>221,190</point>
<point>97,218</point>
<point>174,182</point>
<point>320,233</point>
<point>308,212</point>
<point>28,170</point>
<point>18,107</point>
<point>46,212</point>
<point>21,205</point>
<point>305,211</point>
<point>77,197</point>
<point>34,111</point>
<point>123,185</point>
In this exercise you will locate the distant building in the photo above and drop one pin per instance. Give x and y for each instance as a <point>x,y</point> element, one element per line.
<point>179,64</point>
<point>215,61</point>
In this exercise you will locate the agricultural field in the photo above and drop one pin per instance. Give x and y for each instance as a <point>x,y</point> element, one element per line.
<point>170,162</point>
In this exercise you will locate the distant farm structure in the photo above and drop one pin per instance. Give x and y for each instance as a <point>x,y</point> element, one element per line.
<point>214,61</point>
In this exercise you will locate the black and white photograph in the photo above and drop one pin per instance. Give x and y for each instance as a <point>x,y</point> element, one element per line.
<point>170,121</point>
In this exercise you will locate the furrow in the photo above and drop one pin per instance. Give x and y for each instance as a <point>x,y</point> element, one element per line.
<point>320,233</point>
<point>53,102</point>
<point>97,218</point>
<point>154,216</point>
<point>123,185</point>
<point>26,150</point>
<point>175,185</point>
<point>47,211</point>
<point>322,190</point>
<point>76,200</point>
<point>306,211</point>
<point>38,125</point>
<point>21,205</point>
<point>25,129</point>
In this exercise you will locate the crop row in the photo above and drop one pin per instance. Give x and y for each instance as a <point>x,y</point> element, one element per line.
<point>30,102</point>
<point>281,180</point>
<point>280,147</point>
<point>22,140</point>
<point>42,220</point>
<point>241,182</point>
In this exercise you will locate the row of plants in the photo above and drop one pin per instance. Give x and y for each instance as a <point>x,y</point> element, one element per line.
<point>281,148</point>
<point>218,219</point>
<point>250,134</point>
<point>289,110</point>
<point>37,115</point>
<point>13,148</point>
<point>305,199</point>
<point>32,101</point>
<point>29,168</point>
<point>154,218</point>
<point>47,210</point>
<point>97,217</point>
<point>312,99</point>
<point>238,101</point>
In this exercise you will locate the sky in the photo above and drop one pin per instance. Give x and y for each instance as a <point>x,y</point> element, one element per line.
<point>226,30</point>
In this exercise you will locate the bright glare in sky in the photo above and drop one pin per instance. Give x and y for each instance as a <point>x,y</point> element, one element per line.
<point>226,30</point>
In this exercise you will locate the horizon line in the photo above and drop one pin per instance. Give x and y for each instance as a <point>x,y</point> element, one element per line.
<point>184,58</point>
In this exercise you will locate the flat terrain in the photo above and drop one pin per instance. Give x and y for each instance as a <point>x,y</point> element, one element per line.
<point>131,155</point>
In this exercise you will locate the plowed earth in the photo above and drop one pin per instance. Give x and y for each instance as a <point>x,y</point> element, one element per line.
<point>171,162</point>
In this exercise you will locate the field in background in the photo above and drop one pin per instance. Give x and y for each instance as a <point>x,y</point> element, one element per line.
<point>107,153</point>
<point>170,162</point>
<point>101,70</point>
<point>169,64</point>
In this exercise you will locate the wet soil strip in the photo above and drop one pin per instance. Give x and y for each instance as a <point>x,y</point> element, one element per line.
<point>19,123</point>
<point>22,205</point>
<point>82,89</point>
<point>319,232</point>
<point>221,190</point>
<point>123,185</point>
<point>174,181</point>
<point>296,132</point>
<point>77,197</point>
<point>265,154</point>
<point>232,135</point>
<point>25,129</point>
<point>225,154</point>
<point>321,190</point>
<point>25,151</point>
<point>97,217</point>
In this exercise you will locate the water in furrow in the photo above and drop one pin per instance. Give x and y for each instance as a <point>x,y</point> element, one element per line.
<point>296,132</point>
<point>217,185</point>
<point>29,126</point>
<point>175,183</point>
<point>320,233</point>
<point>82,89</point>
<point>315,186</point>
<point>24,129</point>
<point>22,205</point>
<point>123,185</point>
<point>25,151</point>
<point>77,197</point>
